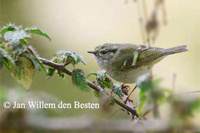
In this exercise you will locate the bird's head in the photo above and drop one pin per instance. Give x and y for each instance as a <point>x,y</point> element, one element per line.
<point>105,52</point>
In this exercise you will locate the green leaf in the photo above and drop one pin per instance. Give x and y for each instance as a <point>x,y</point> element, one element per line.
<point>5,54</point>
<point>101,74</point>
<point>37,31</point>
<point>23,72</point>
<point>66,57</point>
<point>143,99</point>
<point>7,28</point>
<point>144,82</point>
<point>24,41</point>
<point>16,36</point>
<point>104,80</point>
<point>150,92</point>
<point>50,71</point>
<point>35,58</point>
<point>78,78</point>
<point>117,89</point>
<point>6,59</point>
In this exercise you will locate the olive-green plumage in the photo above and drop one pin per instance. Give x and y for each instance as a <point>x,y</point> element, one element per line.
<point>126,62</point>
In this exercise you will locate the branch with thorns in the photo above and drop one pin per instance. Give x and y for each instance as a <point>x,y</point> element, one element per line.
<point>62,68</point>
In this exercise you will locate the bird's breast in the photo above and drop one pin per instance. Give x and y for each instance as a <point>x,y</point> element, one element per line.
<point>125,76</point>
<point>128,76</point>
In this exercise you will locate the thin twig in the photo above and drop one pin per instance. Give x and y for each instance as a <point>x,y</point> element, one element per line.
<point>130,94</point>
<point>56,66</point>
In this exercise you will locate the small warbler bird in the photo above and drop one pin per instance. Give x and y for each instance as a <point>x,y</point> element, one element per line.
<point>126,62</point>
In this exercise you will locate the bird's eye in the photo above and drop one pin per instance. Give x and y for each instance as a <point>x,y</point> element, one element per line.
<point>103,52</point>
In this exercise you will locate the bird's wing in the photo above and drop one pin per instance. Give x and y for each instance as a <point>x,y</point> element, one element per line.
<point>134,56</point>
<point>126,56</point>
<point>148,56</point>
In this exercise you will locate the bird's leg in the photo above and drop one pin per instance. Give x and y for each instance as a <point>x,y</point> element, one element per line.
<point>125,88</point>
<point>130,94</point>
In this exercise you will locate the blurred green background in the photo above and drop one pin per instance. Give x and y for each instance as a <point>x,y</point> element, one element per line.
<point>81,25</point>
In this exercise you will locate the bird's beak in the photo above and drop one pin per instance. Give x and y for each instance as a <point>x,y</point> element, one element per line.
<point>92,52</point>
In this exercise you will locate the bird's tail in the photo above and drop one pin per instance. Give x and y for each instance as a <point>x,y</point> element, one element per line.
<point>174,50</point>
